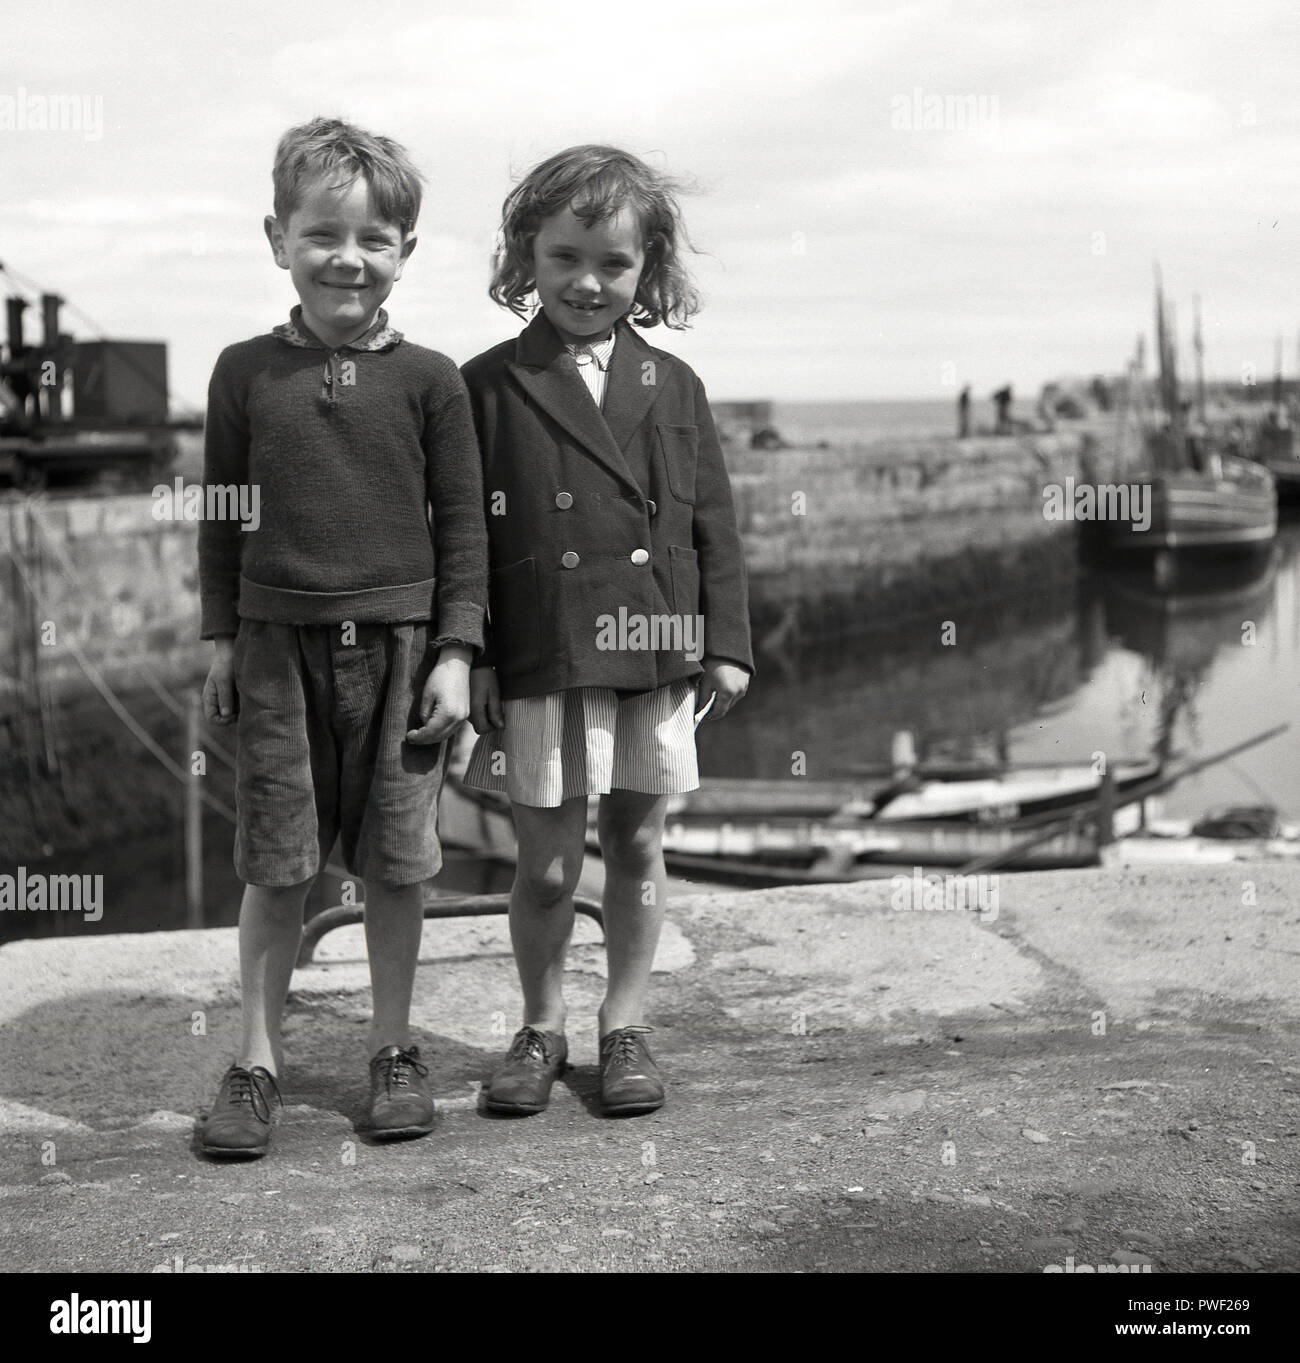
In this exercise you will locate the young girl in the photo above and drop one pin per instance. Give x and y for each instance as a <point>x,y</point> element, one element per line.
<point>618,602</point>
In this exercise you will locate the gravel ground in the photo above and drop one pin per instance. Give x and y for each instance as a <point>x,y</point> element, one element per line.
<point>1105,1072</point>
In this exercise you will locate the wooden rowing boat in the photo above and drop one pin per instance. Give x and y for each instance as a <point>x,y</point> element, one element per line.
<point>763,848</point>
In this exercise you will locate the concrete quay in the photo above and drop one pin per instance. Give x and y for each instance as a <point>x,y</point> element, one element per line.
<point>1100,1067</point>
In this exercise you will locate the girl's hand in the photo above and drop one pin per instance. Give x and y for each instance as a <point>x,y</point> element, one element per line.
<point>485,709</point>
<point>725,682</point>
<point>444,703</point>
<point>220,700</point>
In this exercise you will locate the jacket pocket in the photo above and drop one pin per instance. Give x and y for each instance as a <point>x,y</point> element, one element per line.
<point>681,447</point>
<point>685,566</point>
<point>516,618</point>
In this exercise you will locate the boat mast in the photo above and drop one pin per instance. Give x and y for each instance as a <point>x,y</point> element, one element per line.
<point>1198,345</point>
<point>1169,376</point>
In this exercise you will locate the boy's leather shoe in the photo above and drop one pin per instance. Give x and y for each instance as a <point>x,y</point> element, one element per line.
<point>532,1064</point>
<point>400,1101</point>
<point>239,1125</point>
<point>629,1080</point>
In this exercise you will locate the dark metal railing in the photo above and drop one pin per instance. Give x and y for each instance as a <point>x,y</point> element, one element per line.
<point>435,906</point>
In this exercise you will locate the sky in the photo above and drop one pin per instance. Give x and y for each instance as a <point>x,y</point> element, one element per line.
<point>889,200</point>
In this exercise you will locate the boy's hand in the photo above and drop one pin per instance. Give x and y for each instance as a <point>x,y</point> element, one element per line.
<point>725,682</point>
<point>220,701</point>
<point>444,703</point>
<point>485,709</point>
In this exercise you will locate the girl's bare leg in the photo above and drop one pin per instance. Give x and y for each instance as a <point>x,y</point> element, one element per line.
<point>631,839</point>
<point>541,905</point>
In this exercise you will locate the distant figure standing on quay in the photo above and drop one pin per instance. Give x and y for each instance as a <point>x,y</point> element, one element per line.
<point>344,624</point>
<point>1002,400</point>
<point>963,413</point>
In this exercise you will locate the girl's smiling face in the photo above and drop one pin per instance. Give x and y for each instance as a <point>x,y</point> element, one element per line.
<point>587,277</point>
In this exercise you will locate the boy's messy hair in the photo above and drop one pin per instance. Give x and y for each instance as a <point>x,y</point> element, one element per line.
<point>329,149</point>
<point>597,182</point>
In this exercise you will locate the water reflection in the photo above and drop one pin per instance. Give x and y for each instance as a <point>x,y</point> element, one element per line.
<point>1178,630</point>
<point>1190,669</point>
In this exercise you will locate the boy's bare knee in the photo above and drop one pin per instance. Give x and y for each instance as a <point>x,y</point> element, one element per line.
<point>278,900</point>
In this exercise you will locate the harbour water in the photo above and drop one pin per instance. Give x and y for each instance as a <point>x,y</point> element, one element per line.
<point>1124,669</point>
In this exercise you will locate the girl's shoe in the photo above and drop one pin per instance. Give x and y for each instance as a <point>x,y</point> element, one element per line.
<point>629,1078</point>
<point>400,1102</point>
<point>239,1125</point>
<point>533,1063</point>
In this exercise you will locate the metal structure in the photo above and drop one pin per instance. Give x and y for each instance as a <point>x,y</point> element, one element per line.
<point>436,906</point>
<point>71,409</point>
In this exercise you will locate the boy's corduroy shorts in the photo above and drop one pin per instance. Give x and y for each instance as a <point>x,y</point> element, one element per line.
<point>323,753</point>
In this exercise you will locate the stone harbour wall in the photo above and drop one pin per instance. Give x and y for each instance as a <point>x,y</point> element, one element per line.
<point>851,542</point>
<point>836,541</point>
<point>95,578</point>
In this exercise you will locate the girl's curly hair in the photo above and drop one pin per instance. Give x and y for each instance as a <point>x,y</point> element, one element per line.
<point>596,183</point>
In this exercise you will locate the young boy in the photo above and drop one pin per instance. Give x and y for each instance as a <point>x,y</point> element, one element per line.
<point>344,624</point>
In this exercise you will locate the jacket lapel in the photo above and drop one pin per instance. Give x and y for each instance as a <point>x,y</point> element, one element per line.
<point>632,385</point>
<point>548,374</point>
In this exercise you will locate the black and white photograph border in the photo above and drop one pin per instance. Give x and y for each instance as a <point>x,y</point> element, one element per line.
<point>980,932</point>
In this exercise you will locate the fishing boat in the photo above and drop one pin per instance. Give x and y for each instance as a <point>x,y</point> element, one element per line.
<point>1230,506</point>
<point>1193,498</point>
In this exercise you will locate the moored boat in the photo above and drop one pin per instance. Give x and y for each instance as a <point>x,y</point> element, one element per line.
<point>1232,505</point>
<point>1197,498</point>
<point>754,845</point>
<point>1009,796</point>
<point>796,849</point>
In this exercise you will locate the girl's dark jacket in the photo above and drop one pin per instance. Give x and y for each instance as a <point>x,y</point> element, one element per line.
<point>597,517</point>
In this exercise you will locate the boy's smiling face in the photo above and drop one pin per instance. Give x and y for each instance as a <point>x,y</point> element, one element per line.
<point>587,277</point>
<point>342,255</point>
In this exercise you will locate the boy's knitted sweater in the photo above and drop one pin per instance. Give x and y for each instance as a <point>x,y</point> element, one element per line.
<point>347,449</point>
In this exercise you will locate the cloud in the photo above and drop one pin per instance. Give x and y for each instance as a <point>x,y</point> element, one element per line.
<point>844,251</point>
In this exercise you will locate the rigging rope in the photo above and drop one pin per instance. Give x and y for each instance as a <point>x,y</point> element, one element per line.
<point>133,726</point>
<point>151,678</point>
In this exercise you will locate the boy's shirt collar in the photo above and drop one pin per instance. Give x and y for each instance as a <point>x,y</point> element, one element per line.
<point>296,332</point>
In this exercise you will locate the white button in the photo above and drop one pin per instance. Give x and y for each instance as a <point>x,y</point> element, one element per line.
<point>585,357</point>
<point>640,556</point>
<point>570,559</point>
